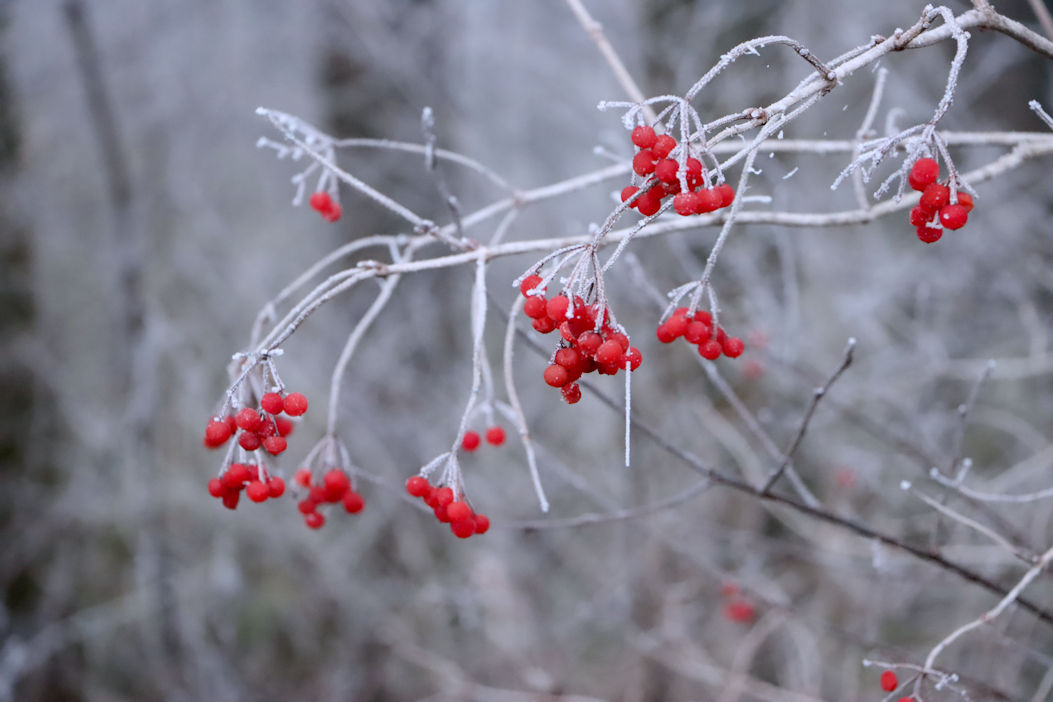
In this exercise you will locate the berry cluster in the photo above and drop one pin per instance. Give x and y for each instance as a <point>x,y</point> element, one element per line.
<point>238,477</point>
<point>335,486</point>
<point>259,429</point>
<point>583,349</point>
<point>653,160</point>
<point>494,435</point>
<point>463,520</point>
<point>698,330</point>
<point>323,203</point>
<point>935,211</point>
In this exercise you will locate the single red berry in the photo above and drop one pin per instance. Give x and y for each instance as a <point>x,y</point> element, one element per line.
<point>229,419</point>
<point>726,193</point>
<point>249,441</point>
<point>276,486</point>
<point>462,529</point>
<point>495,436</point>
<point>545,325</point>
<point>257,491</point>
<point>458,511</point>
<point>739,610</point>
<point>529,283</point>
<point>535,307</point>
<point>935,196</point>
<point>628,192</point>
<point>644,136</point>
<point>966,201</point>
<point>686,204</point>
<point>649,203</point>
<point>694,173</point>
<point>237,474</point>
<point>440,514</point>
<point>314,520</point>
<point>954,216</point>
<point>307,506</point>
<point>696,332</point>
<point>889,681</point>
<point>230,499</point>
<point>923,173</point>
<point>633,357</point>
<point>482,523</point>
<point>643,162</point>
<point>295,404</point>
<point>444,496</point>
<point>569,358</point>
<point>271,403</point>
<point>336,482</point>
<point>589,342</point>
<point>710,350</point>
<point>266,429</point>
<point>418,486</point>
<point>216,488</point>
<point>556,376</point>
<point>919,216</point>
<point>665,170</point>
<point>733,347</point>
<point>665,334</point>
<point>353,502</point>
<point>216,433</point>
<point>556,308</point>
<point>274,445</point>
<point>708,200</point>
<point>470,442</point>
<point>302,477</point>
<point>333,213</point>
<point>571,393</point>
<point>663,146</point>
<point>284,426</point>
<point>610,351</point>
<point>321,201</point>
<point>318,494</point>
<point>929,234</point>
<point>248,419</point>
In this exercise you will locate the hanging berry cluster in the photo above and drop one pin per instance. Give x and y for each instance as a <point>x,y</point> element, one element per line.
<point>935,211</point>
<point>322,203</point>
<point>494,435</point>
<point>662,175</point>
<point>248,477</point>
<point>697,330</point>
<point>463,520</point>
<point>334,487</point>
<point>585,344</point>
<point>259,429</point>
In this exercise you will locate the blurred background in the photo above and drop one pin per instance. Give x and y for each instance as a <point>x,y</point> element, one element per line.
<point>140,231</point>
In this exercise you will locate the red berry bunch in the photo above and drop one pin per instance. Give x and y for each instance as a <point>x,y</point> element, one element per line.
<point>262,428</point>
<point>935,211</point>
<point>494,435</point>
<point>240,476</point>
<point>663,180</point>
<point>323,203</point>
<point>582,349</point>
<point>698,330</point>
<point>463,520</point>
<point>335,486</point>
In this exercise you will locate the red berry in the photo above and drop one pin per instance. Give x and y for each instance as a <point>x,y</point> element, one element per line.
<point>248,441</point>
<point>556,308</point>
<point>628,192</point>
<point>919,216</point>
<point>230,499</point>
<point>726,193</point>
<point>739,610</point>
<point>248,419</point>
<point>302,477</point>
<point>633,357</point>
<point>923,173</point>
<point>336,482</point>
<point>462,529</point>
<point>543,324</point>
<point>643,162</point>
<point>733,347</point>
<point>610,352</point>
<point>644,136</point>
<point>274,445</point>
<point>929,234</point>
<point>665,170</point>
<point>307,506</point>
<point>314,520</point>
<point>284,426</point>
<point>529,283</point>
<point>470,442</point>
<point>318,494</point>
<point>708,200</point>
<point>257,491</point>
<point>535,307</point>
<point>889,681</point>
<point>333,213</point>
<point>482,523</point>
<point>686,204</point>
<point>216,433</point>
<point>571,393</point>
<point>935,197</point>
<point>710,350</point>
<point>353,502</point>
<point>266,429</point>
<point>966,201</point>
<point>649,203</point>
<point>458,511</point>
<point>589,342</point>
<point>697,332</point>
<point>271,403</point>
<point>556,375</point>
<point>418,486</point>
<point>954,216</point>
<point>495,436</point>
<point>276,486</point>
<point>663,146</point>
<point>665,334</point>
<point>216,488</point>
<point>443,496</point>
<point>295,404</point>
<point>569,358</point>
<point>321,201</point>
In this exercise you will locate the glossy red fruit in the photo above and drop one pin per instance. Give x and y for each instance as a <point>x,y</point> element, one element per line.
<point>458,511</point>
<point>248,441</point>
<point>923,173</point>
<point>935,196</point>
<point>295,404</point>
<point>321,201</point>
<point>966,201</point>
<point>529,283</point>
<point>644,136</point>
<point>628,192</point>
<point>418,486</point>
<point>644,162</point>
<point>257,491</point>
<point>248,419</point>
<point>314,520</point>
<point>663,146</point>
<point>216,488</point>
<point>556,375</point>
<point>726,193</point>
<point>649,203</point>
<point>274,445</point>
<point>353,502</point>
<point>271,403</point>
<point>216,433</point>
<point>919,216</point>
<point>733,347</point>
<point>571,393</point>
<point>556,308</point>
<point>708,200</point>
<point>462,529</point>
<point>889,681</point>
<point>276,486</point>
<point>686,204</point>
<point>482,523</point>
<point>535,307</point>
<point>710,350</point>
<point>495,436</point>
<point>954,216</point>
<point>665,170</point>
<point>470,442</point>
<point>929,234</point>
